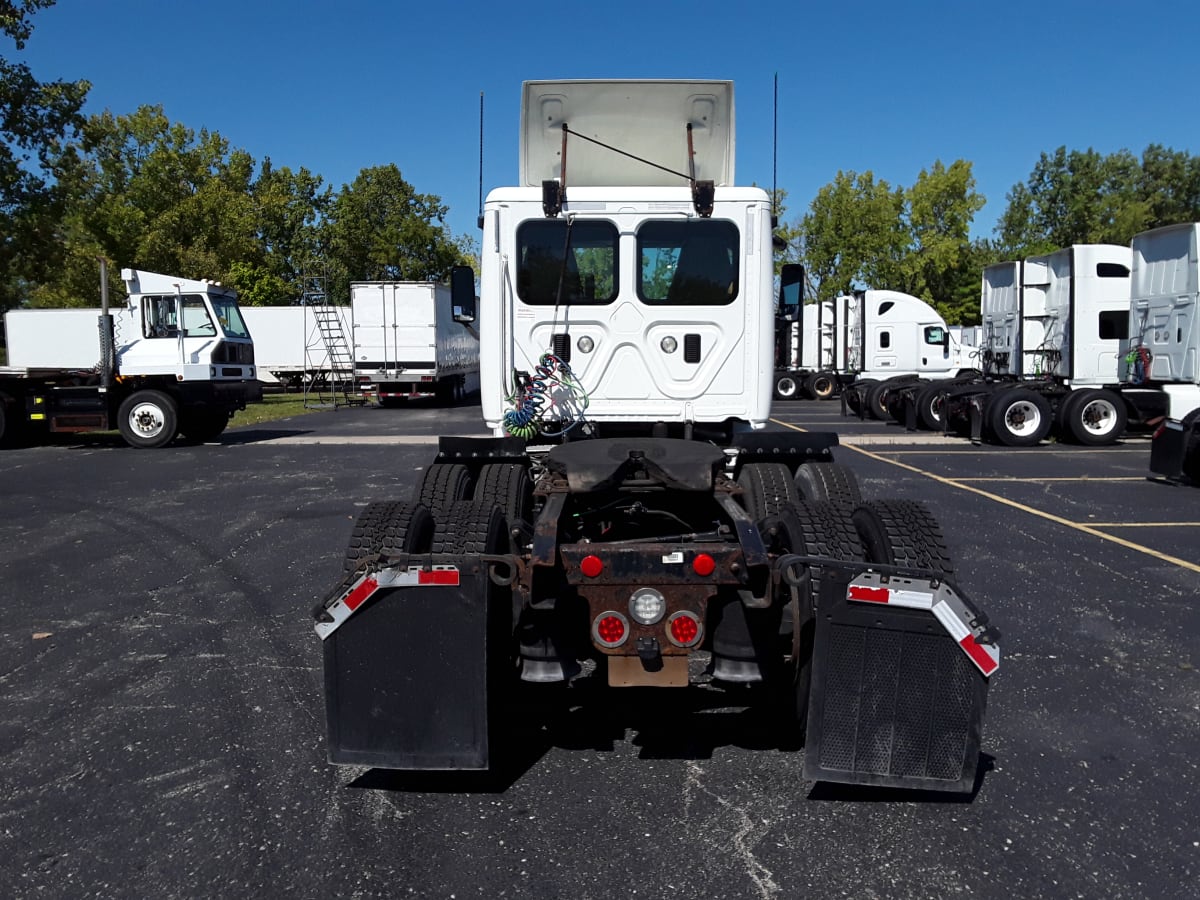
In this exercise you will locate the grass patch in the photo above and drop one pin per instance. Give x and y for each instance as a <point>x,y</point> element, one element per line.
<point>272,407</point>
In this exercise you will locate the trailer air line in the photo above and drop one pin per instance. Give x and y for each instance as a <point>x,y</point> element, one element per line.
<point>957,483</point>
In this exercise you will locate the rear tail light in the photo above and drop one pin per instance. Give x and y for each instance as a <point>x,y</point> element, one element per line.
<point>610,629</point>
<point>684,629</point>
<point>703,565</point>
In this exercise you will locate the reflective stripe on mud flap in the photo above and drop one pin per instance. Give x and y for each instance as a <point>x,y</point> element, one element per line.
<point>941,600</point>
<point>366,586</point>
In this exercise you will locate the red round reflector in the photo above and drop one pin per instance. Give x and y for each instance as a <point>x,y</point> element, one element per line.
<point>610,630</point>
<point>591,566</point>
<point>703,564</point>
<point>684,630</point>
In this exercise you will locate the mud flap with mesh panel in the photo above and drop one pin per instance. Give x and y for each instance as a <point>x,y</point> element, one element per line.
<point>406,653</point>
<point>896,700</point>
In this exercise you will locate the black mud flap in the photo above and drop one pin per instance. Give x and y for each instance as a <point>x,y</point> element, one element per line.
<point>895,700</point>
<point>1167,450</point>
<point>406,668</point>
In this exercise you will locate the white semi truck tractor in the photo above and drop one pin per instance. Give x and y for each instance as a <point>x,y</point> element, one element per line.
<point>175,359</point>
<point>632,520</point>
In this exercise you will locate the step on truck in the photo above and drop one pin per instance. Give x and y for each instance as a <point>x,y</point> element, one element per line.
<point>632,521</point>
<point>175,359</point>
<point>407,343</point>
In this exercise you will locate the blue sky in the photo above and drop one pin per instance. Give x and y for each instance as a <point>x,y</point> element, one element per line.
<point>863,85</point>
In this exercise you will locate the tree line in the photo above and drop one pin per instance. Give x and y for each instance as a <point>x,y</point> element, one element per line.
<point>153,194</point>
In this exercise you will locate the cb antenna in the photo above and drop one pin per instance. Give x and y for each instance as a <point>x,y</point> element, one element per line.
<point>479,219</point>
<point>775,156</point>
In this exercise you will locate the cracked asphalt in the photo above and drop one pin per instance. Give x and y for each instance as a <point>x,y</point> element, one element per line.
<point>161,720</point>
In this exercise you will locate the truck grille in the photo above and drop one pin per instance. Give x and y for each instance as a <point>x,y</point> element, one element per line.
<point>241,354</point>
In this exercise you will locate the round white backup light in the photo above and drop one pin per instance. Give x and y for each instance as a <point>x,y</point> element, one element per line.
<point>585,344</point>
<point>668,344</point>
<point>647,606</point>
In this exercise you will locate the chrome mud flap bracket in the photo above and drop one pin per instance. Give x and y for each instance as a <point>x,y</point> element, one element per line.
<point>406,665</point>
<point>899,683</point>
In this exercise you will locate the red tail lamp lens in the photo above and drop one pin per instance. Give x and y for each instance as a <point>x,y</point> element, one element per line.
<point>591,566</point>
<point>610,630</point>
<point>703,564</point>
<point>685,629</point>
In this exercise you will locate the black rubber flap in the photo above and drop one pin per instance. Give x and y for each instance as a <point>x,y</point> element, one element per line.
<point>895,702</point>
<point>675,463</point>
<point>1167,450</point>
<point>406,679</point>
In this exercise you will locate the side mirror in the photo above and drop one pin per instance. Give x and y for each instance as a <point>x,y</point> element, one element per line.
<point>462,293</point>
<point>791,288</point>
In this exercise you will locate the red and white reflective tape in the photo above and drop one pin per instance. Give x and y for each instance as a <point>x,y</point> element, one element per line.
<point>362,590</point>
<point>946,606</point>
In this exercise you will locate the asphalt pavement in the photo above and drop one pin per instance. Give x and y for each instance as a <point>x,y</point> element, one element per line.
<point>162,727</point>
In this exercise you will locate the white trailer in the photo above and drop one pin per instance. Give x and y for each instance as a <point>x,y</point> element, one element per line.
<point>407,342</point>
<point>294,347</point>
<point>631,510</point>
<point>175,358</point>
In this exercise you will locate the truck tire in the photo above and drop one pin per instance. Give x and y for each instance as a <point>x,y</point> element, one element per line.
<point>821,385</point>
<point>470,527</point>
<point>930,403</point>
<point>441,485</point>
<point>148,419</point>
<point>1191,447</point>
<point>1096,417</point>
<point>1018,418</point>
<point>902,533</point>
<point>856,395</point>
<point>820,529</point>
<point>202,425</point>
<point>408,529</point>
<point>768,488</point>
<point>506,485</point>
<point>10,425</point>
<point>876,401</point>
<point>366,540</point>
<point>786,387</point>
<point>820,482</point>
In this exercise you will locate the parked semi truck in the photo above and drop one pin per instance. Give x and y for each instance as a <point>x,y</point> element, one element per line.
<point>406,342</point>
<point>859,340</point>
<point>174,359</point>
<point>1086,342</point>
<point>296,345</point>
<point>632,521</point>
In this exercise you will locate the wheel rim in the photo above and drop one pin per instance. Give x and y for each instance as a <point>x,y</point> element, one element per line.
<point>786,387</point>
<point>147,420</point>
<point>823,387</point>
<point>934,408</point>
<point>1023,418</point>
<point>1098,417</point>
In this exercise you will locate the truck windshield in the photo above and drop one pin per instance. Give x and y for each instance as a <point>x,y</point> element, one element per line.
<point>229,314</point>
<point>589,275</point>
<point>688,263</point>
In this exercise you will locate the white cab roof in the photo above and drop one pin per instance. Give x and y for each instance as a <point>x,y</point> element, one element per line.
<point>648,119</point>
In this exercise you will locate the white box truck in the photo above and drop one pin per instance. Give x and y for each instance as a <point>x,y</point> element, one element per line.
<point>175,359</point>
<point>407,342</point>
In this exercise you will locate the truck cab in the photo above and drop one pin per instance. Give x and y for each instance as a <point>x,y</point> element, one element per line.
<point>652,307</point>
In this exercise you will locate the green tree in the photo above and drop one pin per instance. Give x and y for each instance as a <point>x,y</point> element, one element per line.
<point>35,117</point>
<point>941,205</point>
<point>380,229</point>
<point>151,194</point>
<point>854,235</point>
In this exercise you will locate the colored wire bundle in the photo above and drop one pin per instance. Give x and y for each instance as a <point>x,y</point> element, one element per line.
<point>551,394</point>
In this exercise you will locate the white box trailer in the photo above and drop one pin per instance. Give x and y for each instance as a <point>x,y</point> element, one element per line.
<point>293,347</point>
<point>407,342</point>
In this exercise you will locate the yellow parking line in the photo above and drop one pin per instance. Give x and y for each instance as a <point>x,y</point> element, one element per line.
<point>1039,480</point>
<point>954,483</point>
<point>1144,524</point>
